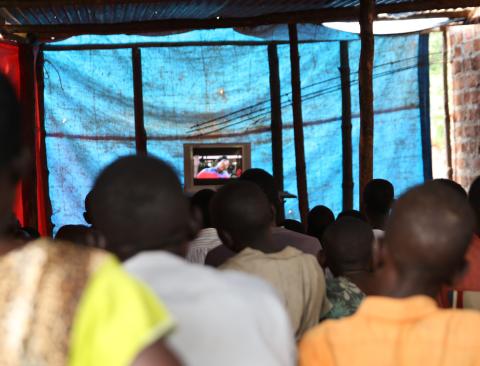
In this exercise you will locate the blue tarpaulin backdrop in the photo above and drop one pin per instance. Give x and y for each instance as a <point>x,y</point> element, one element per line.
<point>89,108</point>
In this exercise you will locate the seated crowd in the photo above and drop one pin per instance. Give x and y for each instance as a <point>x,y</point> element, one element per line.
<point>159,278</point>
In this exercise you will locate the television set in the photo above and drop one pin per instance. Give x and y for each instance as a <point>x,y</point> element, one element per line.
<point>212,165</point>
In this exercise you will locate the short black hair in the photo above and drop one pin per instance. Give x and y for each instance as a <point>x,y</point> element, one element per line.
<point>267,184</point>
<point>241,209</point>
<point>378,197</point>
<point>201,200</point>
<point>352,213</point>
<point>10,129</point>
<point>293,225</point>
<point>452,184</point>
<point>319,218</point>
<point>221,158</point>
<point>348,244</point>
<point>138,204</point>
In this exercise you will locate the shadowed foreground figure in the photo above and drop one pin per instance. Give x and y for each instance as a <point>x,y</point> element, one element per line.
<point>62,304</point>
<point>224,318</point>
<point>243,217</point>
<point>348,250</point>
<point>425,243</point>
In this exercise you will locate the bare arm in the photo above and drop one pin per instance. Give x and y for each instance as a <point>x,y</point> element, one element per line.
<point>158,354</point>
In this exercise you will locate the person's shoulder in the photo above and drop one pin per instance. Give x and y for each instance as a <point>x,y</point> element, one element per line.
<point>303,242</point>
<point>462,318</point>
<point>65,255</point>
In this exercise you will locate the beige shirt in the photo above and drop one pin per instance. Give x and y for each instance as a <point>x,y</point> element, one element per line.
<point>296,276</point>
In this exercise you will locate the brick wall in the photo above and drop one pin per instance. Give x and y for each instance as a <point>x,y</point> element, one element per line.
<point>464,68</point>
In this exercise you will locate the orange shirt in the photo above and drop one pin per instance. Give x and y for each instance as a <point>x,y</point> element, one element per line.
<point>471,281</point>
<point>395,332</point>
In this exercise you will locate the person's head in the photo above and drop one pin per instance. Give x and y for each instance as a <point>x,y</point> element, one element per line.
<point>88,205</point>
<point>319,218</point>
<point>241,214</point>
<point>378,198</point>
<point>265,181</point>
<point>200,201</point>
<point>452,184</point>
<point>223,164</point>
<point>293,225</point>
<point>426,239</point>
<point>474,198</point>
<point>348,246</point>
<point>12,158</point>
<point>352,213</point>
<point>138,204</point>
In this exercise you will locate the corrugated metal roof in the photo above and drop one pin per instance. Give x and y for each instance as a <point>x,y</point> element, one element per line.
<point>57,12</point>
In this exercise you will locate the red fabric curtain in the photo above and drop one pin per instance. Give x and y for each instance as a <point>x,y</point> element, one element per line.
<point>10,66</point>
<point>19,64</point>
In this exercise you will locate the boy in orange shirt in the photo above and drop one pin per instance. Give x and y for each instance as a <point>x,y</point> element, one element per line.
<point>426,240</point>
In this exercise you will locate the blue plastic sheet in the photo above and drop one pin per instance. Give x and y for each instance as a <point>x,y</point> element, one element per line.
<point>211,94</point>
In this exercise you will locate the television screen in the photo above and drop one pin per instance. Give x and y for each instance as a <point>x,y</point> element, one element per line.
<point>214,165</point>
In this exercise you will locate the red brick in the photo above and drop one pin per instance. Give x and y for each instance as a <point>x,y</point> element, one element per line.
<point>458,38</point>
<point>460,163</point>
<point>458,51</point>
<point>457,68</point>
<point>476,63</point>
<point>468,33</point>
<point>458,99</point>
<point>468,48</point>
<point>476,45</point>
<point>472,81</point>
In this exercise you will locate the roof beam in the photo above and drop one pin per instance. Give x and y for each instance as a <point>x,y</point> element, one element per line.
<point>313,16</point>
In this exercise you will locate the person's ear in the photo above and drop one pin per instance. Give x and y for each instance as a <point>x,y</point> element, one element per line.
<point>322,259</point>
<point>226,239</point>
<point>196,221</point>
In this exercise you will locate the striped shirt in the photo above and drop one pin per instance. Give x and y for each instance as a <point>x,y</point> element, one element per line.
<point>206,240</point>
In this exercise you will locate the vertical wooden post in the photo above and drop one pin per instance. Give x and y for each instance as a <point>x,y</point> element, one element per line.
<point>44,205</point>
<point>27,100</point>
<point>365,77</point>
<point>140,133</point>
<point>347,184</point>
<point>298,123</point>
<point>424,101</point>
<point>276,124</point>
<point>448,142</point>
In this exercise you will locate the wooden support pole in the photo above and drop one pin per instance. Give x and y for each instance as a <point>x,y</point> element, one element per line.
<point>347,184</point>
<point>365,77</point>
<point>44,205</point>
<point>140,133</point>
<point>27,100</point>
<point>298,124</point>
<point>448,141</point>
<point>276,124</point>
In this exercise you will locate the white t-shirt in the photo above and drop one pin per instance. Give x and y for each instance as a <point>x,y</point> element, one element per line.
<point>224,318</point>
